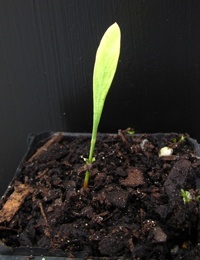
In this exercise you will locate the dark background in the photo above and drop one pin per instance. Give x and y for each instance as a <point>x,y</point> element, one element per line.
<point>47,50</point>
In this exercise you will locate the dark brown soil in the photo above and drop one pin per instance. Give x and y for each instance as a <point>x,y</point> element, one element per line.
<point>133,207</point>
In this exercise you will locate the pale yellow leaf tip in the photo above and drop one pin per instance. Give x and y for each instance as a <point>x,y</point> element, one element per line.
<point>115,27</point>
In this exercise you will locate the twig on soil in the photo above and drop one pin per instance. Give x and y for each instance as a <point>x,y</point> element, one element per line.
<point>7,229</point>
<point>142,215</point>
<point>47,230</point>
<point>55,139</point>
<point>41,174</point>
<point>14,202</point>
<point>123,138</point>
<point>42,212</point>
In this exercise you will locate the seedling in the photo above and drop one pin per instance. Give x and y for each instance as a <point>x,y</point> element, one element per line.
<point>105,66</point>
<point>179,140</point>
<point>186,196</point>
<point>198,198</point>
<point>130,131</point>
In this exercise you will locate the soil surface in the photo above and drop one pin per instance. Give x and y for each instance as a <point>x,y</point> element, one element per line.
<point>133,207</point>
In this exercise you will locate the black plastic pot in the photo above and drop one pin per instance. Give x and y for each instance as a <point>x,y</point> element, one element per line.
<point>34,142</point>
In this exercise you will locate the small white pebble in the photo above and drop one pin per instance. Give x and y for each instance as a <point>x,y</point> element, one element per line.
<point>165,151</point>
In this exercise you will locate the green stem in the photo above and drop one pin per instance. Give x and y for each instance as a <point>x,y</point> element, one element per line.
<point>92,143</point>
<point>91,153</point>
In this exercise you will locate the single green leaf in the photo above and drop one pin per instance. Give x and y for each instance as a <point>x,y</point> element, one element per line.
<point>107,57</point>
